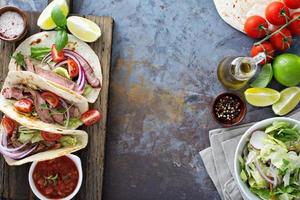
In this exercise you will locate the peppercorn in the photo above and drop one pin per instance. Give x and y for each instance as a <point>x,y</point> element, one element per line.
<point>227,108</point>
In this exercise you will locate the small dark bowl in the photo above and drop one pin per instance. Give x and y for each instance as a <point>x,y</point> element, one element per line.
<point>25,18</point>
<point>234,121</point>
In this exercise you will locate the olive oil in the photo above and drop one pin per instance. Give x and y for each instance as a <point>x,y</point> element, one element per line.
<point>235,72</point>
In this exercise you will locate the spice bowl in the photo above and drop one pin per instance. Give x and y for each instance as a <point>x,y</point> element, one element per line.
<point>228,109</point>
<point>22,32</point>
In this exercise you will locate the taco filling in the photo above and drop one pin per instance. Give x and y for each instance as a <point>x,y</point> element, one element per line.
<point>17,141</point>
<point>66,68</point>
<point>43,105</point>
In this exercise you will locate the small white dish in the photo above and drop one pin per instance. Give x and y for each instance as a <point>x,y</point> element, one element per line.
<point>77,162</point>
<point>241,145</point>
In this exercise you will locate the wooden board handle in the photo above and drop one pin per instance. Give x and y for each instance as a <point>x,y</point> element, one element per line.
<point>69,2</point>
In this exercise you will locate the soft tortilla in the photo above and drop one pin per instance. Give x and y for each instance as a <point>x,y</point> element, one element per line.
<point>35,81</point>
<point>82,140</point>
<point>46,39</point>
<point>235,12</point>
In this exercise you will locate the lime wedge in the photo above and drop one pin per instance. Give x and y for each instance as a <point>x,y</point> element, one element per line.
<point>264,77</point>
<point>289,99</point>
<point>45,21</point>
<point>261,97</point>
<point>84,29</point>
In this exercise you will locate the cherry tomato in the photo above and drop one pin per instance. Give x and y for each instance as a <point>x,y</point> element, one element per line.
<point>265,47</point>
<point>90,117</point>
<point>282,40</point>
<point>9,125</point>
<point>292,4</point>
<point>50,137</point>
<point>72,68</point>
<point>277,13</point>
<point>256,27</point>
<point>24,105</point>
<point>51,98</point>
<point>57,56</point>
<point>294,27</point>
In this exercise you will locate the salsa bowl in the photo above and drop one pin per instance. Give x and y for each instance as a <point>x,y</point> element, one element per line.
<point>33,183</point>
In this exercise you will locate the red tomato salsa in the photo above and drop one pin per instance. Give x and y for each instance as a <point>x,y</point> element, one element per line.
<point>56,178</point>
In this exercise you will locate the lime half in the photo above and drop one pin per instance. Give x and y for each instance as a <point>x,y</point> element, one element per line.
<point>261,97</point>
<point>84,29</point>
<point>45,21</point>
<point>289,99</point>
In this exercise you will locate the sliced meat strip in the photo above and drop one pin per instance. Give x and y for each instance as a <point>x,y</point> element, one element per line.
<point>74,111</point>
<point>13,140</point>
<point>29,64</point>
<point>56,146</point>
<point>58,117</point>
<point>47,143</point>
<point>43,113</point>
<point>13,93</point>
<point>52,76</point>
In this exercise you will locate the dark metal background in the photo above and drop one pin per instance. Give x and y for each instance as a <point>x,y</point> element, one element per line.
<point>163,81</point>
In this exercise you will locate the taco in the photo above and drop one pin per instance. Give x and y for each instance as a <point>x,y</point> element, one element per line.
<point>75,69</point>
<point>21,144</point>
<point>30,99</point>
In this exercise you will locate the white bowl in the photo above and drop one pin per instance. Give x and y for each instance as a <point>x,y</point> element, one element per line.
<point>242,143</point>
<point>77,162</point>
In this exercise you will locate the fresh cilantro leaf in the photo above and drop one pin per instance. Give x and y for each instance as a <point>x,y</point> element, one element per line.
<point>44,106</point>
<point>19,57</point>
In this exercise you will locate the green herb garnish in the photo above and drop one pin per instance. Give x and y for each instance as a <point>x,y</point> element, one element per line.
<point>61,38</point>
<point>49,179</point>
<point>19,57</point>
<point>39,53</point>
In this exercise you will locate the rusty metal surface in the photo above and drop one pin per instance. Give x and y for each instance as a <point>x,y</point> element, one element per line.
<point>163,81</point>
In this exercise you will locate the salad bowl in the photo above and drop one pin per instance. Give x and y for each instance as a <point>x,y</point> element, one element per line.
<point>262,164</point>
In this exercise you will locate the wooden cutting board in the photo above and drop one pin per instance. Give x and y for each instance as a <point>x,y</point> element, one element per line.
<point>14,180</point>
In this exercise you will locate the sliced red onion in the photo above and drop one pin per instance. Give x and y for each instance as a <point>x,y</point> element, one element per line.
<point>82,84</point>
<point>273,171</point>
<point>88,67</point>
<point>81,77</point>
<point>16,155</point>
<point>47,58</point>
<point>4,145</point>
<point>65,105</point>
<point>60,63</point>
<point>258,167</point>
<point>4,139</point>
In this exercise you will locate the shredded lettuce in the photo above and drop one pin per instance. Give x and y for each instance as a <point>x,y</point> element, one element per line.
<point>278,157</point>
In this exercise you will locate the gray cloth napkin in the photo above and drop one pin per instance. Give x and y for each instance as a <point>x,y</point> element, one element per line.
<point>218,159</point>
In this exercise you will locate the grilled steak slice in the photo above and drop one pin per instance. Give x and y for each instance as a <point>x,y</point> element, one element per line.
<point>58,117</point>
<point>15,93</point>
<point>52,76</point>
<point>74,111</point>
<point>13,140</point>
<point>38,101</point>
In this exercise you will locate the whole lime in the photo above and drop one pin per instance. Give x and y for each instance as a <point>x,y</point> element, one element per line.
<point>286,69</point>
